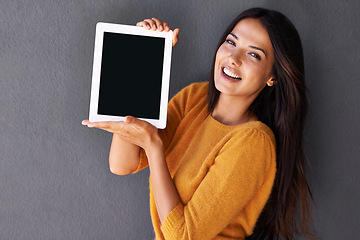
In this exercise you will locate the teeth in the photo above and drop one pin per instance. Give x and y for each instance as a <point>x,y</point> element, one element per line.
<point>230,74</point>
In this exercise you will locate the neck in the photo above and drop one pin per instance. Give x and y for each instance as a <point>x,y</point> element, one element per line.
<point>233,111</point>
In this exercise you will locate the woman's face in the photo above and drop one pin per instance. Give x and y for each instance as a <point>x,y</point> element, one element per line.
<point>244,62</point>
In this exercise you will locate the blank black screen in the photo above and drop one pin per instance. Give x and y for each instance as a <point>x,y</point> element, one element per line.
<point>131,75</point>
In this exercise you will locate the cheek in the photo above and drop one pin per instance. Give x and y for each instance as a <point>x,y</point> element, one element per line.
<point>217,62</point>
<point>217,57</point>
<point>261,72</point>
<point>220,53</point>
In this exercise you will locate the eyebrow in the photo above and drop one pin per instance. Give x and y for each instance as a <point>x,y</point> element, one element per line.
<point>254,47</point>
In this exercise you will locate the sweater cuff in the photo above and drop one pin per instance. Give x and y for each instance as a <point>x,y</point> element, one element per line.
<point>174,222</point>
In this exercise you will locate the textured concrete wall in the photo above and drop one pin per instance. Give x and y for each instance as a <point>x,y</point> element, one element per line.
<point>54,176</point>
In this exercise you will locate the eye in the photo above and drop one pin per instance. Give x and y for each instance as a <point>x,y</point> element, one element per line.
<point>255,55</point>
<point>230,42</point>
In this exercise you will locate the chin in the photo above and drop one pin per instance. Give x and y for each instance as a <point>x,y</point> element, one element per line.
<point>224,85</point>
<point>224,89</point>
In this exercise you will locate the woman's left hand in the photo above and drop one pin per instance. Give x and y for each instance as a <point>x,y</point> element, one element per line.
<point>133,130</point>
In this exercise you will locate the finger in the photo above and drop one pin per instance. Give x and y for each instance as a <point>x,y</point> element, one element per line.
<point>134,121</point>
<point>166,27</point>
<point>175,37</point>
<point>85,122</point>
<point>137,123</point>
<point>95,124</point>
<point>92,125</point>
<point>128,119</point>
<point>151,23</point>
<point>159,24</point>
<point>108,126</point>
<point>144,25</point>
<point>111,127</point>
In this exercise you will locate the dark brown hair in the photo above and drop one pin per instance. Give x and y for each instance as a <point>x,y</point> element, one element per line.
<point>283,108</point>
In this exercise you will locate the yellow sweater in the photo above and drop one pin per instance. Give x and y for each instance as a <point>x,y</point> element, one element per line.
<point>223,174</point>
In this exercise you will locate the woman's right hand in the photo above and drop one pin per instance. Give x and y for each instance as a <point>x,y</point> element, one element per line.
<point>157,25</point>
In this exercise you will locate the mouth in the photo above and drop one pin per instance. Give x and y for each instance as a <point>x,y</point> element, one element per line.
<point>230,74</point>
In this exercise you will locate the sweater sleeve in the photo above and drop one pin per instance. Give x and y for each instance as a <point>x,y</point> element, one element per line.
<point>243,170</point>
<point>178,107</point>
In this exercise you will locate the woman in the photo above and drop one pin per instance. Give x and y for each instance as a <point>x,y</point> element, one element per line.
<point>230,164</point>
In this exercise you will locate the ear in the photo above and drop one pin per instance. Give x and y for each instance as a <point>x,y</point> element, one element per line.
<point>271,82</point>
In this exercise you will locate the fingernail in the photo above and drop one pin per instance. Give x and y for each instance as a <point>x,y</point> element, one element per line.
<point>167,28</point>
<point>161,28</point>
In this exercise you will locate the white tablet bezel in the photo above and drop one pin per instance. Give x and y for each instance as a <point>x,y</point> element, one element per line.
<point>95,86</point>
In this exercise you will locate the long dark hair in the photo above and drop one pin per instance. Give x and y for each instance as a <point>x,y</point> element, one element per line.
<point>283,108</point>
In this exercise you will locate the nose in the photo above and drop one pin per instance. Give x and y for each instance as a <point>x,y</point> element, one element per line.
<point>235,58</point>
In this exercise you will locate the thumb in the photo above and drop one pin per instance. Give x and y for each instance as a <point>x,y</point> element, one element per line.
<point>175,36</point>
<point>129,119</point>
<point>135,122</point>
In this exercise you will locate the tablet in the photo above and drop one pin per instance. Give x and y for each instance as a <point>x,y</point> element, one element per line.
<point>131,74</point>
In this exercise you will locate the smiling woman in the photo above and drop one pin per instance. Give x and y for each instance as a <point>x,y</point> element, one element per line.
<point>281,105</point>
<point>230,163</point>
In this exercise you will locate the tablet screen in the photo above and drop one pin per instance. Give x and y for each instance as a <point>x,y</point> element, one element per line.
<point>131,75</point>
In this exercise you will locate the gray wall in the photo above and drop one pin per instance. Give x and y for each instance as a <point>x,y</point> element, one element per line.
<point>54,176</point>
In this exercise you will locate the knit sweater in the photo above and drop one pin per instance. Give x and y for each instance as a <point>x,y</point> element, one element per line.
<point>223,174</point>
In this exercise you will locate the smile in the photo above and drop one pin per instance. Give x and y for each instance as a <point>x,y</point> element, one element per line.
<point>231,74</point>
